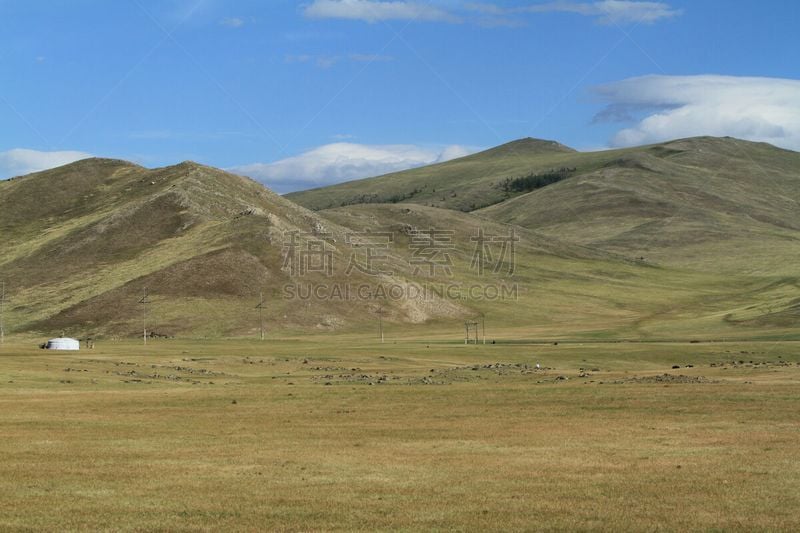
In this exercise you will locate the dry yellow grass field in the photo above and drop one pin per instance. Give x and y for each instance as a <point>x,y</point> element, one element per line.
<point>342,433</point>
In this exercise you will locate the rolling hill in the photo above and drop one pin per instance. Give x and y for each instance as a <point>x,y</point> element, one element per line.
<point>83,241</point>
<point>697,238</point>
<point>463,183</point>
<point>692,203</point>
<point>722,205</point>
<point>718,206</point>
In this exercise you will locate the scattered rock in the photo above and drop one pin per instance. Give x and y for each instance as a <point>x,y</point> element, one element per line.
<point>665,378</point>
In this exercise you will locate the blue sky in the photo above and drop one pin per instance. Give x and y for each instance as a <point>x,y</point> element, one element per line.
<point>306,93</point>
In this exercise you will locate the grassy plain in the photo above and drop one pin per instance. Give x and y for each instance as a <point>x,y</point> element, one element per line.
<point>343,433</point>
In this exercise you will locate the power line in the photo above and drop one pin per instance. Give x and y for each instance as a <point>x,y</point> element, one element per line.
<point>260,308</point>
<point>144,301</point>
<point>2,305</point>
<point>380,321</point>
<point>379,312</point>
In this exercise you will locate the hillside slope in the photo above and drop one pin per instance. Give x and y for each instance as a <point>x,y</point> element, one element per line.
<point>692,203</point>
<point>206,243</point>
<point>704,203</point>
<point>464,184</point>
<point>717,207</point>
<point>83,241</point>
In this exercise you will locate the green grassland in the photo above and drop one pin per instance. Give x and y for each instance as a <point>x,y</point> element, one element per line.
<point>340,432</point>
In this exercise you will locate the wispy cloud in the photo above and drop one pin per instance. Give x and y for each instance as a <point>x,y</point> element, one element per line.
<point>328,61</point>
<point>233,22</point>
<point>321,61</point>
<point>669,107</point>
<point>370,58</point>
<point>376,11</point>
<point>338,162</point>
<point>21,161</point>
<point>491,14</point>
<point>605,11</point>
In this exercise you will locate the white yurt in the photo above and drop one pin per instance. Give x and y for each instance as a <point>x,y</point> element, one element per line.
<point>63,344</point>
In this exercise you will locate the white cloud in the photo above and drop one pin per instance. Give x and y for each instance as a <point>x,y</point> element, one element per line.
<point>320,61</point>
<point>490,14</point>
<point>327,61</point>
<point>454,152</point>
<point>21,161</point>
<point>605,11</point>
<point>376,11</point>
<point>616,11</point>
<point>232,22</point>
<point>670,107</point>
<point>338,162</point>
<point>370,58</point>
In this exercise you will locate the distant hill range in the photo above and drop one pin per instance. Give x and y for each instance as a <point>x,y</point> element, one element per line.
<point>693,238</point>
<point>680,203</point>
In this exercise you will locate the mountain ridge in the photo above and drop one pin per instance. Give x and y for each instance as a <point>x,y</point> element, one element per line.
<point>625,245</point>
<point>475,181</point>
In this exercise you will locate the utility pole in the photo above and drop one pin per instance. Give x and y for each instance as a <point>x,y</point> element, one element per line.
<point>380,316</point>
<point>380,320</point>
<point>483,326</point>
<point>260,308</point>
<point>144,301</point>
<point>468,326</point>
<point>2,303</point>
